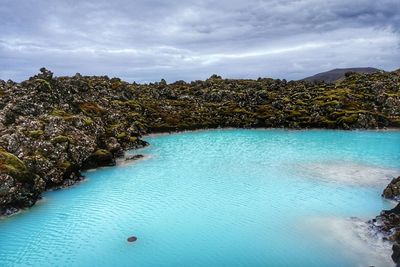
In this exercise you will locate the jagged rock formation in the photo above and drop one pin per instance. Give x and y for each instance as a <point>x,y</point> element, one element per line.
<point>53,127</point>
<point>392,190</point>
<point>388,222</point>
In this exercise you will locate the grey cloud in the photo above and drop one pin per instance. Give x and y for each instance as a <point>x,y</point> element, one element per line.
<point>150,40</point>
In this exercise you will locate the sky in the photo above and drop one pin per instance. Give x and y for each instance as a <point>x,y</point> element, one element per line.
<point>147,40</point>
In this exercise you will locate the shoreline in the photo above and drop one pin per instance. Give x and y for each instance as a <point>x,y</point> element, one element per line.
<point>288,129</point>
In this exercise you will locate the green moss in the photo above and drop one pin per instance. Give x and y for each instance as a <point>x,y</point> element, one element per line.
<point>325,122</point>
<point>102,152</point>
<point>61,139</point>
<point>132,139</point>
<point>88,122</point>
<point>330,103</point>
<point>34,134</point>
<point>114,129</point>
<point>64,165</point>
<point>388,94</point>
<point>295,113</point>
<point>133,104</point>
<point>139,124</point>
<point>348,119</point>
<point>45,84</point>
<point>133,115</point>
<point>346,113</point>
<point>13,166</point>
<point>58,112</point>
<point>62,113</point>
<point>117,102</point>
<point>91,109</point>
<point>116,85</point>
<point>121,135</point>
<point>318,102</point>
<point>115,126</point>
<point>241,110</point>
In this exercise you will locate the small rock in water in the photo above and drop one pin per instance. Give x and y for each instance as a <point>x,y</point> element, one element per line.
<point>132,239</point>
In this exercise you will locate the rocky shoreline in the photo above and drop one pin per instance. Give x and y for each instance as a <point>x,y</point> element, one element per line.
<point>52,128</point>
<point>388,222</point>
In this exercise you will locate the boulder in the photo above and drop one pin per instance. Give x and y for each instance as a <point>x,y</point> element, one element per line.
<point>392,190</point>
<point>396,252</point>
<point>99,158</point>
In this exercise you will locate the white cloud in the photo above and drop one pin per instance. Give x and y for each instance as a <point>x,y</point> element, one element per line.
<point>150,40</point>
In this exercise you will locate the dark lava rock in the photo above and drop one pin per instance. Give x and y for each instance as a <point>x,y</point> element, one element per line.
<point>388,222</point>
<point>396,252</point>
<point>392,190</point>
<point>9,211</point>
<point>99,158</point>
<point>132,239</point>
<point>134,157</point>
<point>395,210</point>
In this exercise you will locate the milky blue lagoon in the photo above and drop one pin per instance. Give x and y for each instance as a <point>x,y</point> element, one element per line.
<point>219,198</point>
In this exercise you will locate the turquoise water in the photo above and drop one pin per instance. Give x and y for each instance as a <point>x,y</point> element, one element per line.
<point>216,198</point>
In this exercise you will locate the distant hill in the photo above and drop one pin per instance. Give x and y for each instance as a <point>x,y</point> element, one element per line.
<point>337,74</point>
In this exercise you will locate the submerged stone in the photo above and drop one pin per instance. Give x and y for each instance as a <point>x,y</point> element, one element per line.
<point>132,239</point>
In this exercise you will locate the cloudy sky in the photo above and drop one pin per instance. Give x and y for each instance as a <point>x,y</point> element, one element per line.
<point>146,40</point>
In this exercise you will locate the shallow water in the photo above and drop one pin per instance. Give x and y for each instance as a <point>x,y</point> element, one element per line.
<point>219,198</point>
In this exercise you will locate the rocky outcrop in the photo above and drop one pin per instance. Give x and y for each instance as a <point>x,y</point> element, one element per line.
<point>388,222</point>
<point>396,253</point>
<point>53,127</point>
<point>99,158</point>
<point>392,190</point>
<point>18,186</point>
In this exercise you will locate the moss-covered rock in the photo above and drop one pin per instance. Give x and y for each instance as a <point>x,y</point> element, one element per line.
<point>91,109</point>
<point>62,113</point>
<point>34,133</point>
<point>13,166</point>
<point>99,158</point>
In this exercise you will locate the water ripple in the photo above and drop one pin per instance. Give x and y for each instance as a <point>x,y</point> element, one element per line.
<point>213,198</point>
